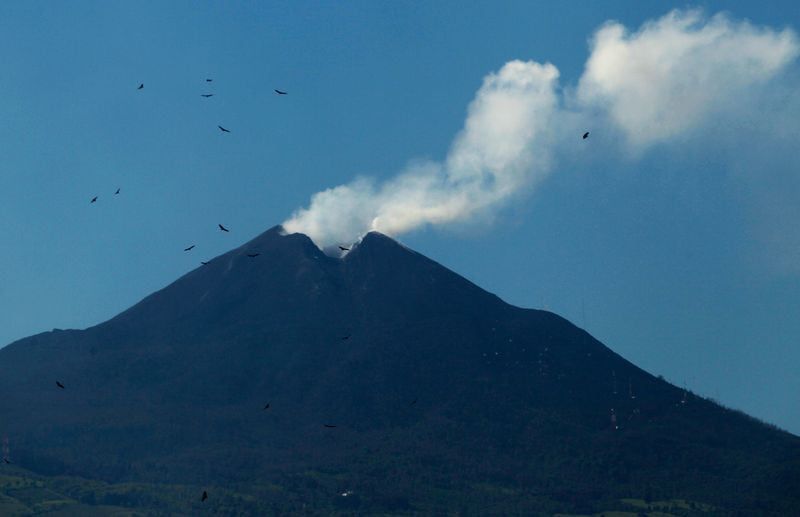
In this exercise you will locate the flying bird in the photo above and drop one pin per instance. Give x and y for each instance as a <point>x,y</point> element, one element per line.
<point>344,338</point>
<point>279,92</point>
<point>204,497</point>
<point>209,80</point>
<point>343,248</point>
<point>253,255</point>
<point>413,402</point>
<point>204,263</point>
<point>190,248</point>
<point>206,95</point>
<point>59,385</point>
<point>94,199</point>
<point>586,135</point>
<point>117,192</point>
<point>7,460</point>
<point>329,426</point>
<point>223,228</point>
<point>266,407</point>
<point>140,86</point>
<point>223,129</point>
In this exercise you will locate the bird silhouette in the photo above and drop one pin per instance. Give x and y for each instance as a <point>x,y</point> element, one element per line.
<point>7,460</point>
<point>204,497</point>
<point>413,402</point>
<point>209,80</point>
<point>329,426</point>
<point>140,86</point>
<point>279,92</point>
<point>206,95</point>
<point>223,129</point>
<point>94,200</point>
<point>204,263</point>
<point>117,192</point>
<point>59,385</point>
<point>586,135</point>
<point>344,338</point>
<point>266,407</point>
<point>253,255</point>
<point>223,228</point>
<point>343,248</point>
<point>190,248</point>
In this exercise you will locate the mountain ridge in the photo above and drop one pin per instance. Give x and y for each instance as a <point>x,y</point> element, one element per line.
<point>422,372</point>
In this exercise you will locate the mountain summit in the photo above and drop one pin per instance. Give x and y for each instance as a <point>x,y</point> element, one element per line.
<point>387,375</point>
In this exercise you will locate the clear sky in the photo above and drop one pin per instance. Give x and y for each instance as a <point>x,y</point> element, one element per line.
<point>684,257</point>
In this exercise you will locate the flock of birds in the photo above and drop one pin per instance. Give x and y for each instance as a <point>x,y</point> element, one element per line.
<point>224,130</point>
<point>222,228</point>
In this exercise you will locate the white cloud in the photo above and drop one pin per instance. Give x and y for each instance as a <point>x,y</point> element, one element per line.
<point>674,72</point>
<point>663,81</point>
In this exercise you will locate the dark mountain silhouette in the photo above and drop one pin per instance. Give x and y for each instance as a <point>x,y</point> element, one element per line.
<point>514,414</point>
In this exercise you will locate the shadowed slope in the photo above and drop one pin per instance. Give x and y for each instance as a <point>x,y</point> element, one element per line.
<point>172,390</point>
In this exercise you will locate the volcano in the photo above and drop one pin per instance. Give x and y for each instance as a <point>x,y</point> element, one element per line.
<point>394,386</point>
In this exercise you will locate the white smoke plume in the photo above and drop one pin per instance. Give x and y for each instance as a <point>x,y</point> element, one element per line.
<point>654,84</point>
<point>501,149</point>
<point>676,71</point>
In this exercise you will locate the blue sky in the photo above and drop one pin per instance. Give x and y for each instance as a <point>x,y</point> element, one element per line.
<point>680,257</point>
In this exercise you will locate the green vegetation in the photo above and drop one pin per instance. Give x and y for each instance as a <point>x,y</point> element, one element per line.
<point>311,492</point>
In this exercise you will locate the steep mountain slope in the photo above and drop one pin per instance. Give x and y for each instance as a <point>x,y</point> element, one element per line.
<point>435,387</point>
